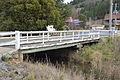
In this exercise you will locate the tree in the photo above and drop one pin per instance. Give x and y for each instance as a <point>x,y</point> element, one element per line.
<point>65,11</point>
<point>83,18</point>
<point>96,9</point>
<point>28,14</point>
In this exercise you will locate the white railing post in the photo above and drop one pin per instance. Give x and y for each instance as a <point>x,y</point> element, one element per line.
<point>64,34</point>
<point>116,32</point>
<point>11,35</point>
<point>48,34</point>
<point>60,36</point>
<point>93,35</point>
<point>27,37</point>
<point>98,34</point>
<point>82,35</point>
<point>17,38</point>
<point>78,34</point>
<point>109,32</point>
<point>31,34</point>
<point>73,34</point>
<point>43,38</point>
<point>89,34</point>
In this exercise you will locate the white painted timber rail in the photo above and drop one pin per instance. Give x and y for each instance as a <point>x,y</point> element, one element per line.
<point>7,34</point>
<point>37,39</point>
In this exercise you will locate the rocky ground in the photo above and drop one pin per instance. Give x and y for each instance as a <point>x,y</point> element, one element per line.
<point>12,71</point>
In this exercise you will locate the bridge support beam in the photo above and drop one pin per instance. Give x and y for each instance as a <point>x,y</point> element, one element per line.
<point>50,48</point>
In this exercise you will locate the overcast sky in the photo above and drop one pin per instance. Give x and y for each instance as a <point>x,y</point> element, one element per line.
<point>67,1</point>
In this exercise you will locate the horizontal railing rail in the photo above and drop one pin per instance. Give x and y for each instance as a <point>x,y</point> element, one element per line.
<point>2,34</point>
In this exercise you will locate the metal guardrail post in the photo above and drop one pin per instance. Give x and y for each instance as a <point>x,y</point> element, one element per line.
<point>17,38</point>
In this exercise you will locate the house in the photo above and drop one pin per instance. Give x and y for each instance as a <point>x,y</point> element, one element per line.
<point>73,24</point>
<point>114,16</point>
<point>69,22</point>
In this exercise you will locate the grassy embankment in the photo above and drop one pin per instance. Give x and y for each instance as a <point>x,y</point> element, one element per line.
<point>103,59</point>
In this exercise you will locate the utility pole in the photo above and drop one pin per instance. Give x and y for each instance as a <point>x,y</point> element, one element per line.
<point>115,22</point>
<point>90,22</point>
<point>111,10</point>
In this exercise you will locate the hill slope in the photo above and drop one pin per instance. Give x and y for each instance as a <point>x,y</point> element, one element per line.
<point>96,9</point>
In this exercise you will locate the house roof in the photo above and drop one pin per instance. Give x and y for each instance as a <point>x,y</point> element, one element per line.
<point>107,16</point>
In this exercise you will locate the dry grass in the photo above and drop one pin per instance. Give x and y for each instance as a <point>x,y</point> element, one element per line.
<point>106,66</point>
<point>104,60</point>
<point>40,71</point>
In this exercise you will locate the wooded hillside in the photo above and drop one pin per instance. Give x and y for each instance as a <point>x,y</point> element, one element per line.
<point>96,9</point>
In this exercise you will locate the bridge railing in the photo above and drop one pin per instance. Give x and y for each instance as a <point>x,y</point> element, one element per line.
<point>105,33</point>
<point>37,39</point>
<point>7,34</point>
<point>7,38</point>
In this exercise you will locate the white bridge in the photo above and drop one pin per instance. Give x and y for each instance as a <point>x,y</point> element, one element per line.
<point>35,41</point>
